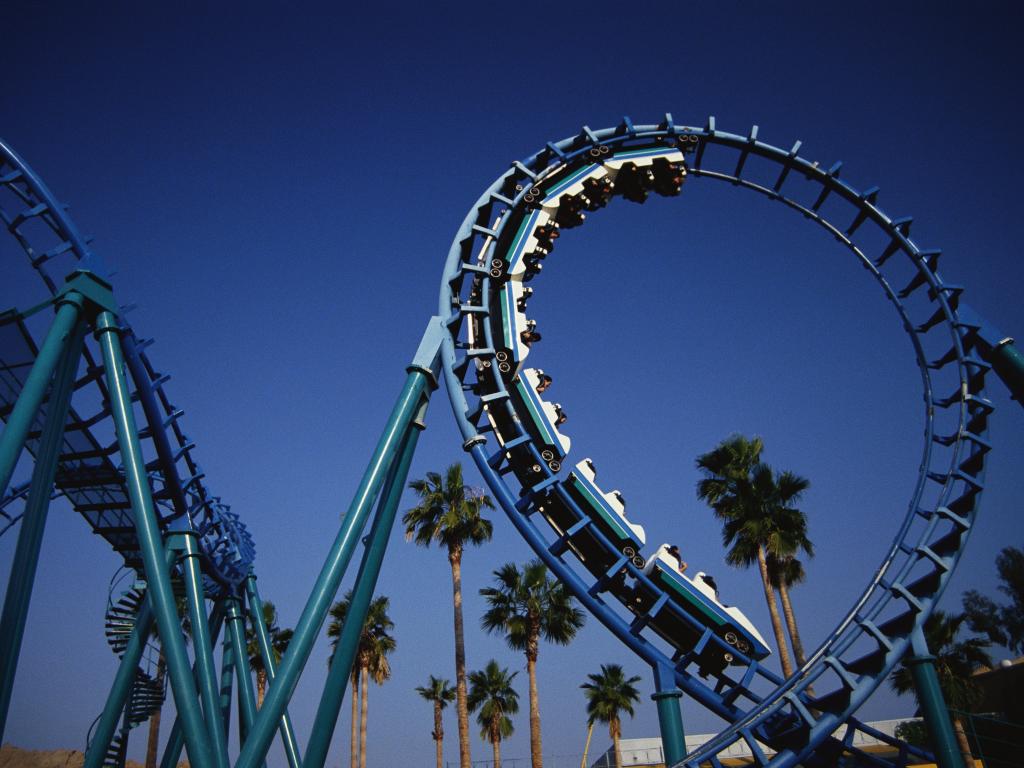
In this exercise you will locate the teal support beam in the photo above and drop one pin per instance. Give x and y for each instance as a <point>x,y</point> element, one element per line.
<point>995,347</point>
<point>246,693</point>
<point>176,738</point>
<point>150,545</point>
<point>19,423</point>
<point>932,703</point>
<point>202,644</point>
<point>121,688</point>
<point>291,745</point>
<point>1008,363</point>
<point>365,583</point>
<point>670,719</point>
<point>33,523</point>
<point>327,583</point>
<point>175,744</point>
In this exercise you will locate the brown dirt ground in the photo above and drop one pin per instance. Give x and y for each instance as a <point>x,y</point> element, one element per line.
<point>13,757</point>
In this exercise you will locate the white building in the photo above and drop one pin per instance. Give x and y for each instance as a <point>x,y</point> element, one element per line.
<point>647,753</point>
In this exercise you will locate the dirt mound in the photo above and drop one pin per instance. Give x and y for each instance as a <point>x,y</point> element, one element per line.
<point>13,757</point>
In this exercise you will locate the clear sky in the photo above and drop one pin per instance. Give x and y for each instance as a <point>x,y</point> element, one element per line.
<point>277,188</point>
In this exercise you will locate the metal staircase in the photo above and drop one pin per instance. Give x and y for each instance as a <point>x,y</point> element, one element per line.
<point>149,688</point>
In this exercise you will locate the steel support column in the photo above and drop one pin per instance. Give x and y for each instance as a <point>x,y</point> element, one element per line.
<point>291,746</point>
<point>176,738</point>
<point>33,523</point>
<point>327,583</point>
<point>666,695</point>
<point>175,743</point>
<point>365,583</point>
<point>202,645</point>
<point>932,703</point>
<point>19,423</point>
<point>246,693</point>
<point>150,545</point>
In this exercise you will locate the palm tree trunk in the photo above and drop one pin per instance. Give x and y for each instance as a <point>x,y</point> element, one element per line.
<point>455,559</point>
<point>536,761</point>
<point>354,736</point>
<point>961,739</point>
<point>438,733</point>
<point>794,633</point>
<point>586,745</point>
<point>153,741</point>
<point>614,728</point>
<point>261,686</point>
<point>773,610</point>
<point>364,684</point>
<point>496,744</point>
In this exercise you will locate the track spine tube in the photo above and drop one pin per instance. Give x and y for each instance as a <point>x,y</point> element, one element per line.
<point>152,412</point>
<point>202,650</point>
<point>365,583</point>
<point>69,309</point>
<point>933,705</point>
<point>319,602</point>
<point>291,745</point>
<point>150,544</point>
<point>670,720</point>
<point>30,538</point>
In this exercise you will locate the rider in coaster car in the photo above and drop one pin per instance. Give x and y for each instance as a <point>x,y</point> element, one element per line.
<point>530,335</point>
<point>674,551</point>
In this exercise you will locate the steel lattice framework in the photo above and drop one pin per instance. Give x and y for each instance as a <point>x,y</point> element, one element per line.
<point>141,488</point>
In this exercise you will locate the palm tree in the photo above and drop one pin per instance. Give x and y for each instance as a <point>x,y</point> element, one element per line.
<point>759,519</point>
<point>526,605</point>
<point>491,692</point>
<point>371,663</point>
<point>338,613</point>
<point>1002,623</point>
<point>785,572</point>
<point>279,639</point>
<point>374,664</point>
<point>955,661</point>
<point>440,693</point>
<point>609,694</point>
<point>449,513</point>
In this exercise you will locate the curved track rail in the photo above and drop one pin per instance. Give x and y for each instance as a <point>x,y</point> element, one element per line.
<point>499,426</point>
<point>87,475</point>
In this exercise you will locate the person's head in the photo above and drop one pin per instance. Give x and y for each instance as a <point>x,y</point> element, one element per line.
<point>673,549</point>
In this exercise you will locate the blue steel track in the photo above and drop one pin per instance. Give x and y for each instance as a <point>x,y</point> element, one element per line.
<point>86,475</point>
<point>807,719</point>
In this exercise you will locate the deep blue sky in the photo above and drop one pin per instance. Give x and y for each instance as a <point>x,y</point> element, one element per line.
<point>277,190</point>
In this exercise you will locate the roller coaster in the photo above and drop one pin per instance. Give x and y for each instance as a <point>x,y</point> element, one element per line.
<point>87,413</point>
